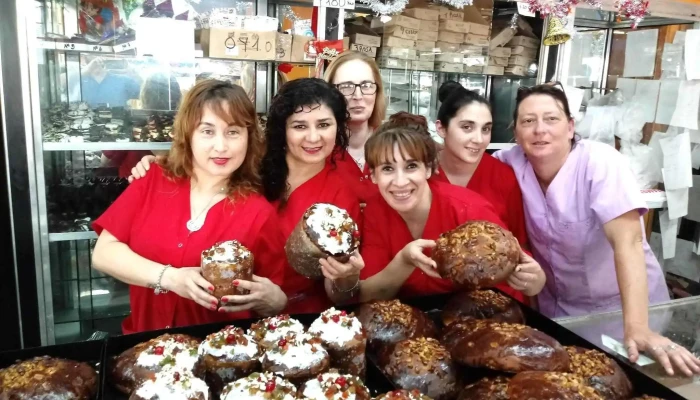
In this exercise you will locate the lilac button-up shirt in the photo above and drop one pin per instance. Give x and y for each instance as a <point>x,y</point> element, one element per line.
<point>565,228</point>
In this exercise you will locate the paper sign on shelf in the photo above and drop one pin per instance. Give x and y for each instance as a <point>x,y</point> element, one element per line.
<point>524,9</point>
<point>677,170</point>
<point>345,4</point>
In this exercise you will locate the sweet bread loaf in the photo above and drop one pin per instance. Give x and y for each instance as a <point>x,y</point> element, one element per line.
<point>550,386</point>
<point>423,364</point>
<point>225,262</point>
<point>260,386</point>
<point>143,361</point>
<point>477,254</point>
<point>645,397</point>
<point>482,304</point>
<point>172,383</point>
<point>403,394</point>
<point>495,388</point>
<point>324,230</point>
<point>228,355</point>
<point>334,386</point>
<point>267,332</point>
<point>344,339</point>
<point>503,347</point>
<point>297,357</point>
<point>600,372</point>
<point>390,321</point>
<point>48,378</point>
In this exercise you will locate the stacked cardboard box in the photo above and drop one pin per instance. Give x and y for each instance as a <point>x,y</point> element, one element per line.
<point>452,31</point>
<point>428,34</point>
<point>497,61</point>
<point>523,53</point>
<point>399,33</point>
<point>363,39</point>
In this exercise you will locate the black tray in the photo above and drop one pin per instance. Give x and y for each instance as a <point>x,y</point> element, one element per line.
<point>374,380</point>
<point>643,384</point>
<point>91,352</point>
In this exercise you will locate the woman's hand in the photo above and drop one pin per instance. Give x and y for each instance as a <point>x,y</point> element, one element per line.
<point>139,171</point>
<point>189,283</point>
<point>413,255</point>
<point>528,277</point>
<point>343,275</point>
<point>662,349</point>
<point>265,298</point>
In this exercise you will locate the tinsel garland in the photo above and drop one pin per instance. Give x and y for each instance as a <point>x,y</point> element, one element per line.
<point>557,8</point>
<point>289,13</point>
<point>458,4</point>
<point>384,9</point>
<point>635,10</point>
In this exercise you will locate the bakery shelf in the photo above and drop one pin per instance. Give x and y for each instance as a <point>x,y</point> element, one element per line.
<point>96,146</point>
<point>66,236</point>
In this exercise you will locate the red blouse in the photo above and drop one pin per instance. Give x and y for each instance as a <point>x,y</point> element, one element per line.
<point>328,186</point>
<point>151,216</point>
<point>357,180</point>
<point>496,182</point>
<point>385,234</point>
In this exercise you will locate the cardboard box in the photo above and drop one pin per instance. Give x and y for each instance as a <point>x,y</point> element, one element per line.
<point>449,67</point>
<point>430,36</point>
<point>524,41</point>
<point>450,15</point>
<point>426,14</point>
<point>450,37</point>
<point>239,44</point>
<point>475,69</point>
<point>520,71</point>
<point>468,49</point>
<point>428,26</point>
<point>520,61</point>
<point>361,48</point>
<point>448,47</point>
<point>454,58</point>
<point>502,37</point>
<point>454,26</point>
<point>523,51</point>
<point>422,65</point>
<point>500,52</point>
<point>479,25</point>
<point>426,56</point>
<point>493,70</point>
<point>425,45</point>
<point>396,20</point>
<point>391,41</point>
<point>401,32</point>
<point>475,61</point>
<point>392,63</point>
<point>401,53</point>
<point>476,40</point>
<point>498,61</point>
<point>367,39</point>
<point>284,47</point>
<point>298,49</point>
<point>479,29</point>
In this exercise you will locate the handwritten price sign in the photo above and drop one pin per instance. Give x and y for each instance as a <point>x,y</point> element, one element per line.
<point>248,45</point>
<point>346,4</point>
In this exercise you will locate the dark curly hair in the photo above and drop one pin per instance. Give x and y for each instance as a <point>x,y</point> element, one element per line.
<point>292,97</point>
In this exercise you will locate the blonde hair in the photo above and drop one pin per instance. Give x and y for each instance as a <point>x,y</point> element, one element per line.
<point>379,112</point>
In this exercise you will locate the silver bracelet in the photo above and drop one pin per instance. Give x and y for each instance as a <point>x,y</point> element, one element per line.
<point>158,288</point>
<point>352,289</point>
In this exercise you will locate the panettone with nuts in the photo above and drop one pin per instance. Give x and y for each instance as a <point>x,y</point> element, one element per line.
<point>482,304</point>
<point>600,372</point>
<point>503,347</point>
<point>495,388</point>
<point>423,364</point>
<point>477,254</point>
<point>550,386</point>
<point>390,321</point>
<point>48,378</point>
<point>403,394</point>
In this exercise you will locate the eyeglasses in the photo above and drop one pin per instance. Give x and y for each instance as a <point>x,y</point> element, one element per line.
<point>349,88</point>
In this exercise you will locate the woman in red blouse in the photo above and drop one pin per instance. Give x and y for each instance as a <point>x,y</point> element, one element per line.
<point>306,124</point>
<point>410,212</point>
<point>464,121</point>
<point>206,191</point>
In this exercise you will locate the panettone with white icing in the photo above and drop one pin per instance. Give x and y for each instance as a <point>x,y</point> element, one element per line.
<point>323,231</point>
<point>297,357</point>
<point>141,362</point>
<point>335,386</point>
<point>344,338</point>
<point>403,394</point>
<point>260,386</point>
<point>228,355</point>
<point>224,263</point>
<point>172,383</point>
<point>268,331</point>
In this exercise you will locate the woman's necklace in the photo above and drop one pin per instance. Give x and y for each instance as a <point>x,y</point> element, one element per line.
<point>360,161</point>
<point>196,223</point>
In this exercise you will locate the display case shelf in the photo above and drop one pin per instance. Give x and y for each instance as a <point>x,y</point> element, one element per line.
<point>65,236</point>
<point>96,146</point>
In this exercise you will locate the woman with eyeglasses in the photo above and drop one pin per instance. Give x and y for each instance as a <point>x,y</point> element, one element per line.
<point>584,220</point>
<point>357,77</point>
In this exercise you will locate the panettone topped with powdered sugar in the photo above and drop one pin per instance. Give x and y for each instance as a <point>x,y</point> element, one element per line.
<point>230,344</point>
<point>331,229</point>
<point>333,385</point>
<point>230,251</point>
<point>172,383</point>
<point>403,394</point>
<point>169,351</point>
<point>269,330</point>
<point>337,327</point>
<point>296,350</point>
<point>257,386</point>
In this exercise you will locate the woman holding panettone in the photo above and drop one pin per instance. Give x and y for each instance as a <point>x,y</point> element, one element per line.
<point>208,190</point>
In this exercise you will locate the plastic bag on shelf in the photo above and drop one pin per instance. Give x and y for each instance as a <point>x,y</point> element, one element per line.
<point>99,20</point>
<point>644,165</point>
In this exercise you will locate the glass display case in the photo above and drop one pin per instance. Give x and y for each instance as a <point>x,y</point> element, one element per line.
<point>679,320</point>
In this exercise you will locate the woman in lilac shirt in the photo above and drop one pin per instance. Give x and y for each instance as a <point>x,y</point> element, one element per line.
<point>583,215</point>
